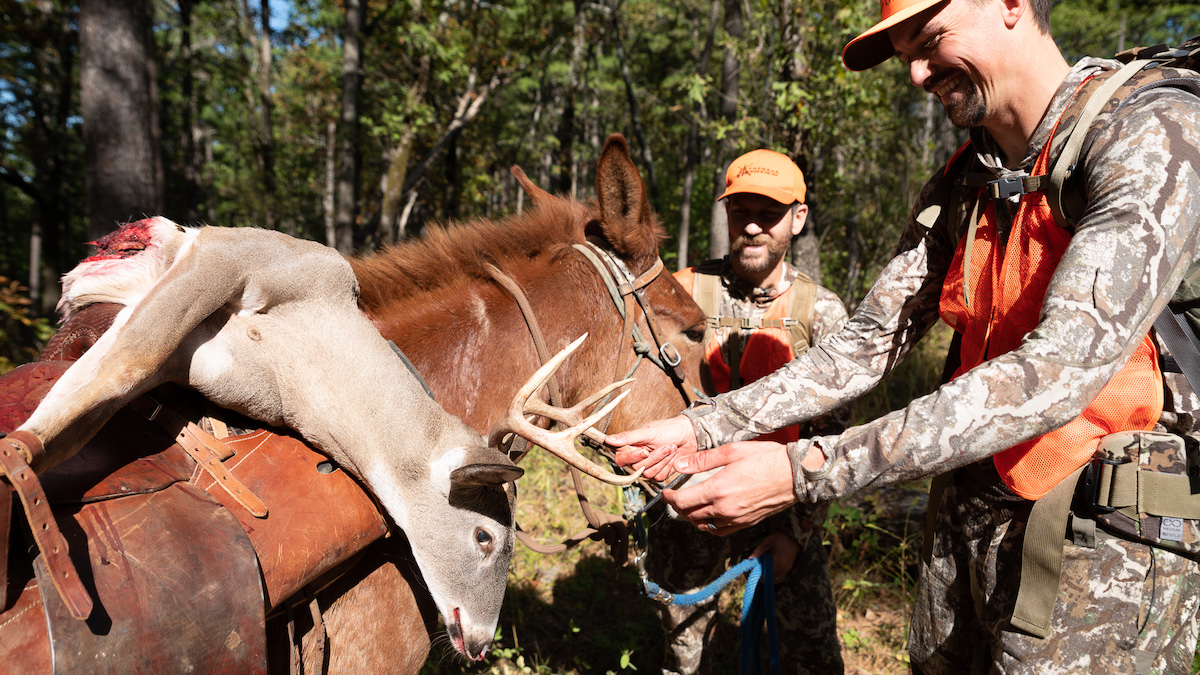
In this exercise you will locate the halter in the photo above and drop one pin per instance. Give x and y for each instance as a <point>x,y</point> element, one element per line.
<point>624,293</point>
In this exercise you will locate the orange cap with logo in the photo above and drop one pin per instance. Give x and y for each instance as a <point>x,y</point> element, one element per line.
<point>767,173</point>
<point>874,46</point>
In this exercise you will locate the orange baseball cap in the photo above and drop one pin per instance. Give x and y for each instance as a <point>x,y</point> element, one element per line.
<point>767,173</point>
<point>874,46</point>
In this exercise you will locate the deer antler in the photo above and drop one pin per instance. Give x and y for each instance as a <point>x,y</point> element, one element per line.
<point>561,443</point>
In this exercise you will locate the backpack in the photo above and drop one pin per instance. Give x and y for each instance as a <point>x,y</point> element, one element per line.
<point>1138,486</point>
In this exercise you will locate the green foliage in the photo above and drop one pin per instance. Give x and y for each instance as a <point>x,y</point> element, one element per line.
<point>21,335</point>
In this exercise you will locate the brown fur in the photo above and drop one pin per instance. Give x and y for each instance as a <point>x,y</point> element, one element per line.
<point>465,334</point>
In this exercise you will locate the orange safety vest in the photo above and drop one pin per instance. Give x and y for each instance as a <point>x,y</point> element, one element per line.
<point>1007,290</point>
<point>767,349</point>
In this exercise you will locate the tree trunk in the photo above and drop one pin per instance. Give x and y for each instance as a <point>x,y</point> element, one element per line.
<point>634,116</point>
<point>120,153</point>
<point>349,158</point>
<point>718,244</point>
<point>191,159</point>
<point>327,201</point>
<point>566,128</point>
<point>267,139</point>
<point>691,150</point>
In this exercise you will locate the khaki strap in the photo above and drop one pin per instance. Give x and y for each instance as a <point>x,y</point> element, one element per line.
<point>1125,488</point>
<point>49,539</point>
<point>800,311</point>
<point>937,486</point>
<point>1064,166</point>
<point>1041,558</point>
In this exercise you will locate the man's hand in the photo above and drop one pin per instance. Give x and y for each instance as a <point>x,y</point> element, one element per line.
<point>754,481</point>
<point>783,550</point>
<point>655,445</point>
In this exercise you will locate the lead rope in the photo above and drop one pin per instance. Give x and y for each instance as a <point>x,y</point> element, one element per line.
<point>758,606</point>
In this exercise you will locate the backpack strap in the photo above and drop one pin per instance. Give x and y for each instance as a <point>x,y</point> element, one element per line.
<point>801,308</point>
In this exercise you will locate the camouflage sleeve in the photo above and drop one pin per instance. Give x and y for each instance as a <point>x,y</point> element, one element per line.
<point>829,317</point>
<point>896,312</point>
<point>1127,257</point>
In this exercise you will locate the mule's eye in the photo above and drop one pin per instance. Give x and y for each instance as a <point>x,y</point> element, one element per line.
<point>483,539</point>
<point>695,333</point>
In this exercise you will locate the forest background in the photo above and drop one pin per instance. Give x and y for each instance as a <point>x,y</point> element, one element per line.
<point>359,123</point>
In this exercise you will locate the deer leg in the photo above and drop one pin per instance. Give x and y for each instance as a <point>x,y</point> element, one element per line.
<point>132,357</point>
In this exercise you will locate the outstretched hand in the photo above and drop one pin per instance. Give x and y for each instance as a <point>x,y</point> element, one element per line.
<point>754,481</point>
<point>654,446</point>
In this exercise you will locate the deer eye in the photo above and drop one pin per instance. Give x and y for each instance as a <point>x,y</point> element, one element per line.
<point>484,540</point>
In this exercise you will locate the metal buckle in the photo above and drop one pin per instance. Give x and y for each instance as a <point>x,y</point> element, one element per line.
<point>670,361</point>
<point>1091,483</point>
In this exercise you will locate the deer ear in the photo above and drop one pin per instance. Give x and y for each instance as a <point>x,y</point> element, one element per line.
<point>481,475</point>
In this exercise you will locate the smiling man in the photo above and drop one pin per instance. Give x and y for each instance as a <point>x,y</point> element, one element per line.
<point>1057,360</point>
<point>762,312</point>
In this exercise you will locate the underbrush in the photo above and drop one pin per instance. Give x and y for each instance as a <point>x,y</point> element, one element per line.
<point>21,334</point>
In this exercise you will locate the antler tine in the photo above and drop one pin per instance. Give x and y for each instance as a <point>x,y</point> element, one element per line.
<point>561,443</point>
<point>571,416</point>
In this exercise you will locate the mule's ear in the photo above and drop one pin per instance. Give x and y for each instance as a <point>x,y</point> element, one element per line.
<point>481,475</point>
<point>536,194</point>
<point>625,208</point>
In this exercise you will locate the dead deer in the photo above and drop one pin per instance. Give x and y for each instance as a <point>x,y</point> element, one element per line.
<point>269,326</point>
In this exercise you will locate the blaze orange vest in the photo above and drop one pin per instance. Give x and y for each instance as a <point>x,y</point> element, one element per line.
<point>1000,303</point>
<point>767,349</point>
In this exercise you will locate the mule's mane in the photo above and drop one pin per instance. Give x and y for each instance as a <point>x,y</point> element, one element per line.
<point>453,255</point>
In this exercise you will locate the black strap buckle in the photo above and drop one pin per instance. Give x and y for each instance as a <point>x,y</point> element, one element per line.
<point>1003,188</point>
<point>1092,472</point>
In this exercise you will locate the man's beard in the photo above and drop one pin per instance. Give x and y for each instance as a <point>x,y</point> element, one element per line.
<point>970,110</point>
<point>758,263</point>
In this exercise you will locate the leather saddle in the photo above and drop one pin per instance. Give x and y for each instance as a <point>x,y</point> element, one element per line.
<point>181,571</point>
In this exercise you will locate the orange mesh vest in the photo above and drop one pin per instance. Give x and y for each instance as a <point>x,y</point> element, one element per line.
<point>766,350</point>
<point>1007,289</point>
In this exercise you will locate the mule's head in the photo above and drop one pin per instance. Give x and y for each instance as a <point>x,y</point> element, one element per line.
<point>626,226</point>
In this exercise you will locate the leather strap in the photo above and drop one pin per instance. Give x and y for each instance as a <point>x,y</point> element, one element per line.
<point>207,450</point>
<point>19,445</point>
<point>203,448</point>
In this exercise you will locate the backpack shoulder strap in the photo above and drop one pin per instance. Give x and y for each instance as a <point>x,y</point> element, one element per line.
<point>800,309</point>
<point>706,288</point>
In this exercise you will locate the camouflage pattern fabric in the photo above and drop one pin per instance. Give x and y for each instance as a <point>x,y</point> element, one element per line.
<point>1123,606</point>
<point>1126,258</point>
<point>682,559</point>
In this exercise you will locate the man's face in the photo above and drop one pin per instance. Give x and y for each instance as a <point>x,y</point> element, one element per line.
<point>946,49</point>
<point>760,230</point>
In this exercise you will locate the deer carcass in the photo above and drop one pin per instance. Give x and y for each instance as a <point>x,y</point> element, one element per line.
<point>269,326</point>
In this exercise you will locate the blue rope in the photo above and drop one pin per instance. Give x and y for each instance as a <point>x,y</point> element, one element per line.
<point>758,606</point>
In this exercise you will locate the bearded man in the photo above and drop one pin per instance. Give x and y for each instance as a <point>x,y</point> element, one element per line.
<point>762,312</point>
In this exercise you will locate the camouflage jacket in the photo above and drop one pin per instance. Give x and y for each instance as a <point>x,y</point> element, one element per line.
<point>1130,249</point>
<point>744,300</point>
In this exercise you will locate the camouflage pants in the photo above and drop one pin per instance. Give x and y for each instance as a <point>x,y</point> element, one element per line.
<point>1122,607</point>
<point>682,559</point>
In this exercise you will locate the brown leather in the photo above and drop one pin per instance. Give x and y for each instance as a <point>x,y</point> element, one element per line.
<point>199,444</point>
<point>80,332</point>
<point>176,582</point>
<point>22,389</point>
<point>317,520</point>
<point>24,635</point>
<point>41,522</point>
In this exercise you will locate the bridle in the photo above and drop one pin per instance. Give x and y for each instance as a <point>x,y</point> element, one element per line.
<point>625,289</point>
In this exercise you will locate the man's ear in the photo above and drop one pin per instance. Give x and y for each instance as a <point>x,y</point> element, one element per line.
<point>800,218</point>
<point>1013,10</point>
